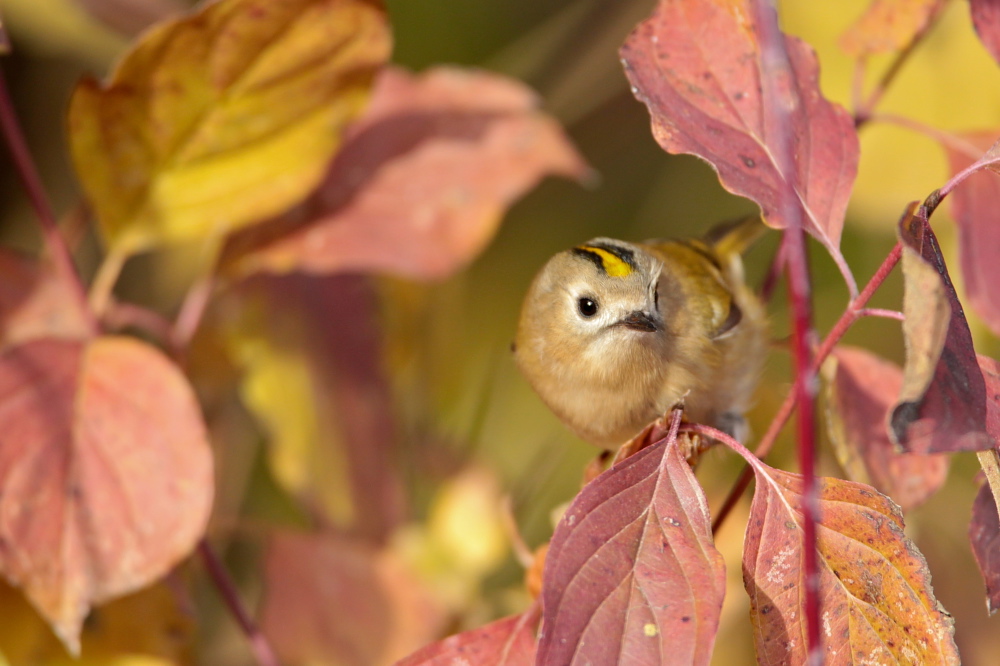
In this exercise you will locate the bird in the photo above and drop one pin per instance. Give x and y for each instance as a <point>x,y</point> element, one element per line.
<point>613,335</point>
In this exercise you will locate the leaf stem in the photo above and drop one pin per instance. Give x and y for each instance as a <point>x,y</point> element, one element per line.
<point>191,313</point>
<point>259,645</point>
<point>54,243</point>
<point>854,310</point>
<point>102,288</point>
<point>943,137</point>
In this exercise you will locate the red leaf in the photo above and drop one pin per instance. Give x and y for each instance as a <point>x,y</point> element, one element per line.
<point>978,220</point>
<point>984,534</point>
<point>712,102</point>
<point>986,20</point>
<point>35,302</point>
<point>874,585</point>
<point>632,575</point>
<point>333,600</point>
<point>506,642</point>
<point>105,469</point>
<point>942,406</point>
<point>862,388</point>
<point>421,183</point>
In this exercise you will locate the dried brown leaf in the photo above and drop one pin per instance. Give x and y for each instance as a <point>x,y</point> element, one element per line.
<point>105,469</point>
<point>861,389</point>
<point>874,585</point>
<point>422,181</point>
<point>632,575</point>
<point>942,405</point>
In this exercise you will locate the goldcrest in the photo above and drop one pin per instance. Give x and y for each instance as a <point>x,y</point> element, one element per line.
<point>613,335</point>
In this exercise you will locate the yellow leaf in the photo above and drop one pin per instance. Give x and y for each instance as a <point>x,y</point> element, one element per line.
<point>222,118</point>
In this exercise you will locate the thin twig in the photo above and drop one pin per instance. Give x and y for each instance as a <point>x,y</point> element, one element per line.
<point>851,314</point>
<point>956,143</point>
<point>259,645</point>
<point>55,245</point>
<point>191,313</point>
<point>882,312</point>
<point>863,111</point>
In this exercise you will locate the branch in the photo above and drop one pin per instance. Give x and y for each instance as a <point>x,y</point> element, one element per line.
<point>854,311</point>
<point>53,241</point>
<point>259,645</point>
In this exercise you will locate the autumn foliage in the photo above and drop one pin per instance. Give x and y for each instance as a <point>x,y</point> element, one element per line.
<point>275,144</point>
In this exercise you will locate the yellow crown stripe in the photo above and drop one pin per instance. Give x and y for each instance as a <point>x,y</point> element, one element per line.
<point>613,265</point>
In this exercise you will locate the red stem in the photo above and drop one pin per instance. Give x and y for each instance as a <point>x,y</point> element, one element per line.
<point>779,83</point>
<point>55,245</point>
<point>259,644</point>
<point>854,311</point>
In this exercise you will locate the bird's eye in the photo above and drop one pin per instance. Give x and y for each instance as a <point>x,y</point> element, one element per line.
<point>588,307</point>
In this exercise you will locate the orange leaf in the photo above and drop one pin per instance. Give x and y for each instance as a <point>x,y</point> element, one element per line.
<point>632,575</point>
<point>888,25</point>
<point>422,181</point>
<point>333,600</point>
<point>697,66</point>
<point>978,221</point>
<point>35,302</point>
<point>506,642</point>
<point>105,469</point>
<point>942,404</point>
<point>224,117</point>
<point>875,592</point>
<point>861,390</point>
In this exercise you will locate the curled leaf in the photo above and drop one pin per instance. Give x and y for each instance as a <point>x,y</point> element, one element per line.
<point>874,585</point>
<point>942,404</point>
<point>713,103</point>
<point>105,469</point>
<point>506,642</point>
<point>888,25</point>
<point>861,388</point>
<point>978,221</point>
<point>422,181</point>
<point>632,575</point>
<point>224,117</point>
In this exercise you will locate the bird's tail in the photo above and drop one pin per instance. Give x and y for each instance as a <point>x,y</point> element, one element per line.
<point>735,237</point>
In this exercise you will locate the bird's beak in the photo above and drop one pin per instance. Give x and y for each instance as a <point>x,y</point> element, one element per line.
<point>640,321</point>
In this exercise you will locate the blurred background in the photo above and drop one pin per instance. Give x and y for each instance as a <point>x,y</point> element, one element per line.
<point>470,430</point>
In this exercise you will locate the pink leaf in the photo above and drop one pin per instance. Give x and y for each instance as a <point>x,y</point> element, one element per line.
<point>330,599</point>
<point>978,218</point>
<point>632,575</point>
<point>862,388</point>
<point>506,642</point>
<point>877,602</point>
<point>986,20</point>
<point>697,66</point>
<point>422,181</point>
<point>105,468</point>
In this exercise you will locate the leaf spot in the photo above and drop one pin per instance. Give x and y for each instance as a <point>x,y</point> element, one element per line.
<point>649,629</point>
